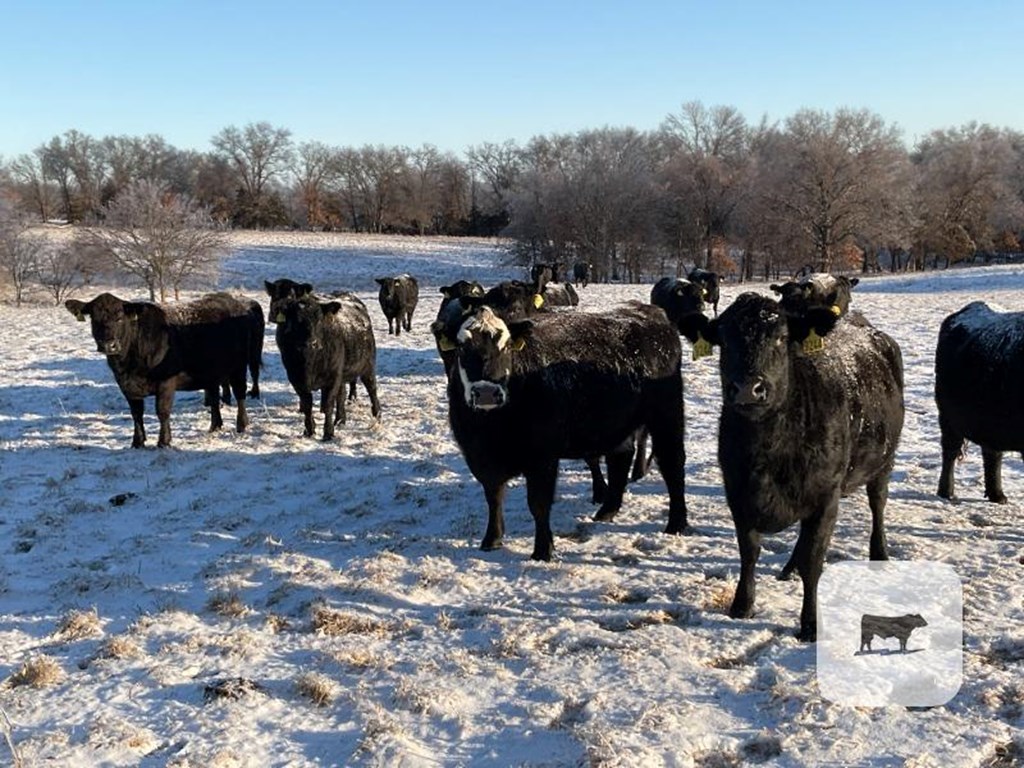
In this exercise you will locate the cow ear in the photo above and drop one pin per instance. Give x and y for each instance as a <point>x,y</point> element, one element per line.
<point>776,288</point>
<point>269,287</point>
<point>446,291</point>
<point>692,325</point>
<point>810,329</point>
<point>854,281</point>
<point>519,332</point>
<point>305,289</point>
<point>77,308</point>
<point>382,281</point>
<point>330,307</point>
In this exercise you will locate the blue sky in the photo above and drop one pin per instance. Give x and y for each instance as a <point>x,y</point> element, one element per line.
<point>454,74</point>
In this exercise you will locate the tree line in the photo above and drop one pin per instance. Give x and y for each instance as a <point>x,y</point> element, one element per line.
<point>829,190</point>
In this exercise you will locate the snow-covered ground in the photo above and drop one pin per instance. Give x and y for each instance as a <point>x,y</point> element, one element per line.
<point>263,599</point>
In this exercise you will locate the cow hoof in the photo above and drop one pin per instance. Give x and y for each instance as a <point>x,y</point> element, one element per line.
<point>997,498</point>
<point>740,611</point>
<point>807,635</point>
<point>680,529</point>
<point>786,574</point>
<point>542,556</point>
<point>490,546</point>
<point>604,516</point>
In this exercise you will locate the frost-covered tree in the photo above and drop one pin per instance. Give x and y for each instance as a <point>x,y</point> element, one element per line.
<point>162,239</point>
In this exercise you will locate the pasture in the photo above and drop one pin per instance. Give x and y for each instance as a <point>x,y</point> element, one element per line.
<point>266,599</point>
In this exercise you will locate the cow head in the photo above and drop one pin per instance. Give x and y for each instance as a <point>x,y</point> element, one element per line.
<point>388,288</point>
<point>484,345</point>
<point>116,323</point>
<point>816,290</point>
<point>683,302</point>
<point>757,342</point>
<point>280,290</point>
<point>300,321</point>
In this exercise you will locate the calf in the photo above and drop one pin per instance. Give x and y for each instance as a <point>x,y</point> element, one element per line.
<point>157,349</point>
<point>398,296</point>
<point>325,342</point>
<point>524,394</point>
<point>581,271</point>
<point>899,627</point>
<point>799,431</point>
<point>979,390</point>
<point>708,281</point>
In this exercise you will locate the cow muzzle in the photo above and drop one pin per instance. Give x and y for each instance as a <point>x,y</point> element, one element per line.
<point>486,396</point>
<point>752,392</point>
<point>109,347</point>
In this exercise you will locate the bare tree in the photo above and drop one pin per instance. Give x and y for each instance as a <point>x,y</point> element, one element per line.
<point>830,176</point>
<point>28,174</point>
<point>162,239</point>
<point>313,171</point>
<point>259,153</point>
<point>19,250</point>
<point>64,267</point>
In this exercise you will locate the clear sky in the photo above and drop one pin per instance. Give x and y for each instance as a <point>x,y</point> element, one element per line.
<point>454,73</point>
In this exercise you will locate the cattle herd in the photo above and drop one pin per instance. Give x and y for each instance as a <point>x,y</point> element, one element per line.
<point>812,393</point>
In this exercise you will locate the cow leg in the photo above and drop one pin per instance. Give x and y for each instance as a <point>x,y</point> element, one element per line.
<point>333,409</point>
<point>352,391</point>
<point>370,383</point>
<point>878,495</point>
<point>164,401</point>
<point>408,321</point>
<point>216,420</point>
<point>598,487</point>
<point>540,495</point>
<point>495,533</point>
<point>391,326</point>
<point>815,535</point>
<point>241,414</point>
<point>641,462</point>
<point>135,405</point>
<point>952,445</point>
<point>398,325</point>
<point>618,474</point>
<point>750,548</point>
<point>667,441</point>
<point>788,569</point>
<point>306,408</point>
<point>993,461</point>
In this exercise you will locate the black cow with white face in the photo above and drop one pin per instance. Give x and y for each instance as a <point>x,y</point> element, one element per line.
<point>157,349</point>
<point>398,296</point>
<point>709,283</point>
<point>979,390</point>
<point>798,431</point>
<point>524,394</point>
<point>326,342</point>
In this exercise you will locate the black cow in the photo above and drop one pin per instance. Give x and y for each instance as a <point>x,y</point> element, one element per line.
<point>683,303</point>
<point>799,431</point>
<point>979,390</point>
<point>542,274</point>
<point>884,627</point>
<point>581,272</point>
<point>157,349</point>
<point>325,342</point>
<point>398,296</point>
<point>708,281</point>
<point>283,288</point>
<point>524,394</point>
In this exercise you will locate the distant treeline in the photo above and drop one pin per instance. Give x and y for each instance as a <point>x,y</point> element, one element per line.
<point>835,191</point>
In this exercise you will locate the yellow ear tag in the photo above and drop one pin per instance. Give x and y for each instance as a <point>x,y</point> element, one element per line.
<point>518,345</point>
<point>836,310</point>
<point>701,348</point>
<point>813,343</point>
<point>445,344</point>
<point>538,301</point>
<point>279,317</point>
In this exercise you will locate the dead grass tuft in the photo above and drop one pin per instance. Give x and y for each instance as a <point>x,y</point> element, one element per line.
<point>227,604</point>
<point>719,597</point>
<point>76,625</point>
<point>328,621</point>
<point>318,688</point>
<point>37,672</point>
<point>119,647</point>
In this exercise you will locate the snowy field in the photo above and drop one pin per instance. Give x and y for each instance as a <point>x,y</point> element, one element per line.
<point>265,600</point>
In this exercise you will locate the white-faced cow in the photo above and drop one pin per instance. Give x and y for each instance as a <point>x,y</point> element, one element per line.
<point>797,431</point>
<point>524,394</point>
<point>157,349</point>
<point>398,296</point>
<point>326,342</point>
<point>979,390</point>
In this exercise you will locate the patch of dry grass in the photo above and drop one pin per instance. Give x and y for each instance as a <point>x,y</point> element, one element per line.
<point>228,605</point>
<point>317,687</point>
<point>120,647</point>
<point>327,621</point>
<point>77,625</point>
<point>37,672</point>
